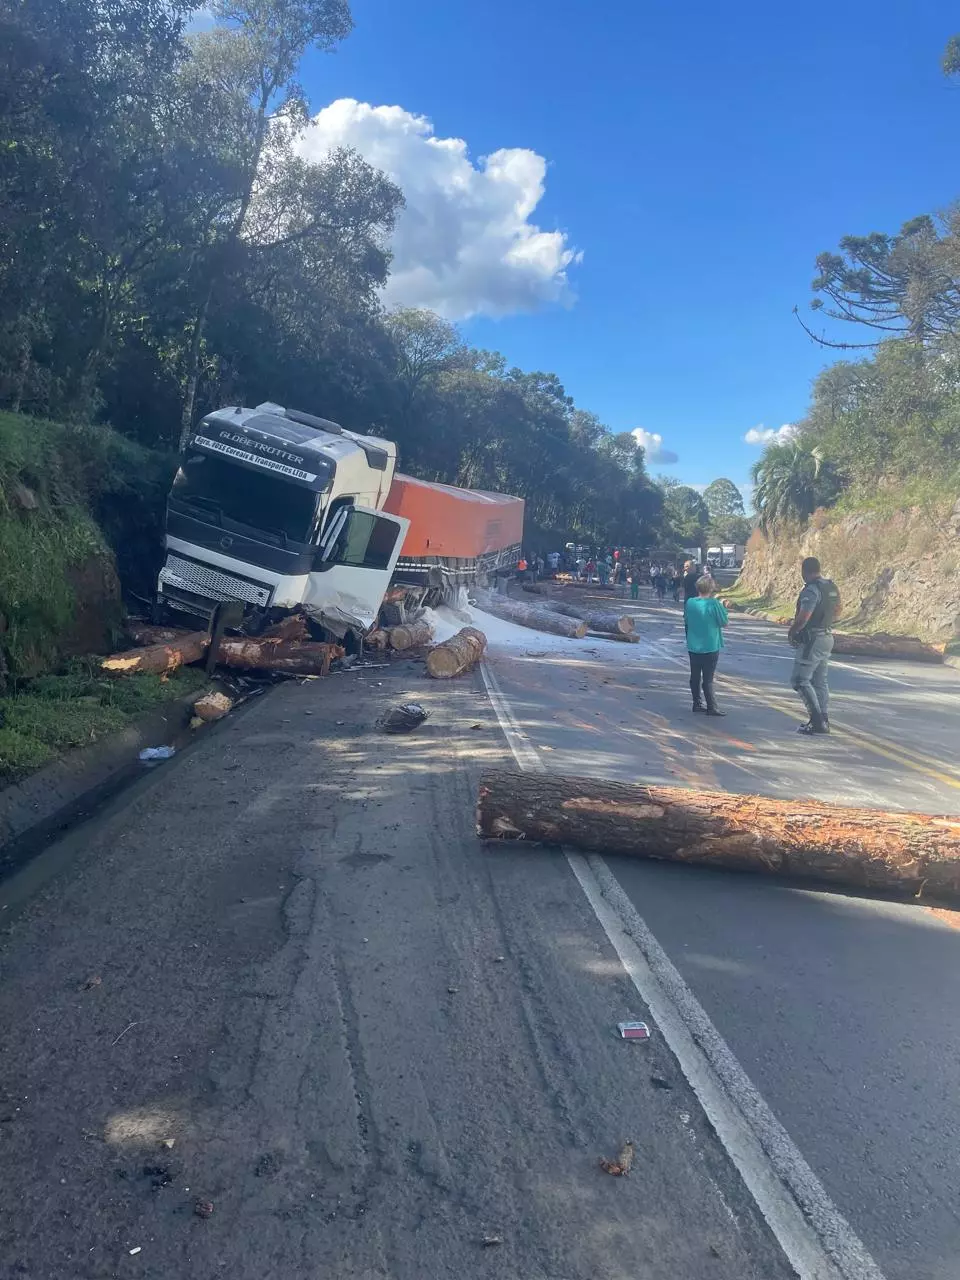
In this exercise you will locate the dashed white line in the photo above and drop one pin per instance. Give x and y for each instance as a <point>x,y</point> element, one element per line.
<point>817,1240</point>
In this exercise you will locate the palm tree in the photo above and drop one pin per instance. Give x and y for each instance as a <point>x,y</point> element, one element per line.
<point>791,481</point>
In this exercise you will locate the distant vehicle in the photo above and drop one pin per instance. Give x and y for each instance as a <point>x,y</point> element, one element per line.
<point>728,556</point>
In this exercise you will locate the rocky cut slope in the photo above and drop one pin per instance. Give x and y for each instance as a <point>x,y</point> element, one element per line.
<point>899,572</point>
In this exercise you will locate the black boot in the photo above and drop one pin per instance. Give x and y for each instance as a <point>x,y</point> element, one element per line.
<point>698,704</point>
<point>714,710</point>
<point>815,727</point>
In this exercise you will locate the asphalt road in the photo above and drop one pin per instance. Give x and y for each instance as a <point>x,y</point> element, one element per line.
<point>844,1011</point>
<point>282,983</point>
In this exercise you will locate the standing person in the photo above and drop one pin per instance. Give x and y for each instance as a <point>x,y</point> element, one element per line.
<point>591,569</point>
<point>811,632</point>
<point>676,583</point>
<point>660,583</point>
<point>704,619</point>
<point>603,571</point>
<point>691,576</point>
<point>635,582</point>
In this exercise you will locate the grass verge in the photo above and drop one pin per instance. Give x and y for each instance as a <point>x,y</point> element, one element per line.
<point>53,713</point>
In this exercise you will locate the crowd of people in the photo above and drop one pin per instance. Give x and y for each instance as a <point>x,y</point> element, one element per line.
<point>705,618</point>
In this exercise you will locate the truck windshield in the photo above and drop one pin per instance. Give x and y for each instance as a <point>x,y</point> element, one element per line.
<point>235,494</point>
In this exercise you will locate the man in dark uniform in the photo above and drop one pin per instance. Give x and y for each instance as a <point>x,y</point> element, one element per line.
<point>691,576</point>
<point>811,632</point>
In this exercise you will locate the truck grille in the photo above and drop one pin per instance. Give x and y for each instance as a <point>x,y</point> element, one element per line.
<point>212,583</point>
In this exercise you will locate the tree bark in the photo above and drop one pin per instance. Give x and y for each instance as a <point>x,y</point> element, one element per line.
<point>798,838</point>
<point>528,615</point>
<point>596,619</point>
<point>615,635</point>
<point>410,635</point>
<point>144,634</point>
<point>537,588</point>
<point>456,655</point>
<point>246,654</point>
<point>884,646</point>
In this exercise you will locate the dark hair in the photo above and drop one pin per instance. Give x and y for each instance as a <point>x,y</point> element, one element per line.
<point>810,566</point>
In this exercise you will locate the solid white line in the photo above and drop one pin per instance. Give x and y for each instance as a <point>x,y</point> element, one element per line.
<point>816,1239</point>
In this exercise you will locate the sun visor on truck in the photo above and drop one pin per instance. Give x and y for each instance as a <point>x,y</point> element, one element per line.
<point>263,449</point>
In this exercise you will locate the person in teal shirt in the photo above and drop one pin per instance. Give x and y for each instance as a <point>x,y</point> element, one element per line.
<point>704,619</point>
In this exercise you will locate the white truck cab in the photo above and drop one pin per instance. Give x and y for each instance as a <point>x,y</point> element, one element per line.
<point>281,510</point>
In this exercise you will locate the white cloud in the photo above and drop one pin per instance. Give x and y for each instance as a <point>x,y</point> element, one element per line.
<point>464,245</point>
<point>652,443</point>
<point>771,435</point>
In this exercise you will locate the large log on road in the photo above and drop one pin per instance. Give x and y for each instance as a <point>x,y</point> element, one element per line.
<point>410,635</point>
<point>159,657</point>
<point>458,654</point>
<point>800,838</point>
<point>534,616</point>
<point>596,619</point>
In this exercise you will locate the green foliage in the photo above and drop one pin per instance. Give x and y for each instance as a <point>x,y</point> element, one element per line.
<point>66,493</point>
<point>791,481</point>
<point>686,514</point>
<point>723,498</point>
<point>53,713</point>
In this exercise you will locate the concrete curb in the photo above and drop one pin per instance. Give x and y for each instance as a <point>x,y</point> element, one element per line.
<point>53,796</point>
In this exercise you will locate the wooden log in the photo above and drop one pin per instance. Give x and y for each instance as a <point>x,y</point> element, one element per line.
<point>143,633</point>
<point>159,658</point>
<point>456,655</point>
<point>537,588</point>
<point>614,635</point>
<point>410,635</point>
<point>533,616</point>
<point>596,619</point>
<point>855,645</point>
<point>270,654</point>
<point>293,627</point>
<point>302,659</point>
<point>799,838</point>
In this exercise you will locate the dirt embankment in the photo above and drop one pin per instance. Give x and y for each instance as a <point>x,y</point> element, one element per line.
<point>898,573</point>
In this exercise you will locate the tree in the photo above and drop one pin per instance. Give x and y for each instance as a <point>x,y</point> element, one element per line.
<point>686,515</point>
<point>791,481</point>
<point>904,284</point>
<point>724,501</point>
<point>258,109</point>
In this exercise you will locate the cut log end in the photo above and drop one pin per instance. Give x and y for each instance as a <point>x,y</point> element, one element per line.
<point>458,654</point>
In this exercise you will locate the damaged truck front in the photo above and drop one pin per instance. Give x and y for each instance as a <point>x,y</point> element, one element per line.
<point>281,511</point>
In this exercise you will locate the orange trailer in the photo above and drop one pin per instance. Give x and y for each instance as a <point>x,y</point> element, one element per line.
<point>454,533</point>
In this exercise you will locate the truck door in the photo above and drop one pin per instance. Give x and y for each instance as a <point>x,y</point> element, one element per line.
<point>353,567</point>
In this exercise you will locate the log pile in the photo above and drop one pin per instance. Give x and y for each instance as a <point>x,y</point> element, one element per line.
<point>458,654</point>
<point>529,615</point>
<point>245,653</point>
<point>867,848</point>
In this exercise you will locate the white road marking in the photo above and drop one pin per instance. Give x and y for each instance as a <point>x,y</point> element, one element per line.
<point>817,1240</point>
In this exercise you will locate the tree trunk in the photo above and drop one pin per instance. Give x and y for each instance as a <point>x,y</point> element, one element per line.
<point>457,654</point>
<point>596,619</point>
<point>246,654</point>
<point>144,634</point>
<point>192,380</point>
<point>537,588</point>
<point>529,615</point>
<point>293,627</point>
<point>799,838</point>
<point>410,635</point>
<point>884,646</point>
<point>614,635</point>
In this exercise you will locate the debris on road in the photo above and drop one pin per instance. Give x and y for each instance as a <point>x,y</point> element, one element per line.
<point>203,1208</point>
<point>489,1241</point>
<point>604,621</point>
<point>212,706</point>
<point>267,653</point>
<point>620,1167</point>
<point>128,1027</point>
<point>458,654</point>
<point>660,1082</point>
<point>404,718</point>
<point>135,1250</point>
<point>150,755</point>
<point>633,1030</point>
<point>411,635</point>
<point>868,848</point>
<point>93,981</point>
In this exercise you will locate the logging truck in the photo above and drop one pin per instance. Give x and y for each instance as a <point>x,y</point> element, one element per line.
<point>282,512</point>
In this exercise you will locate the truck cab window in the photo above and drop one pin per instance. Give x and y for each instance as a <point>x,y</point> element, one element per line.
<point>366,541</point>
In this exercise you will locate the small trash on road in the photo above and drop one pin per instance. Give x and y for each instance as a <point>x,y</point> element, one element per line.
<point>93,981</point>
<point>659,1082</point>
<point>404,718</point>
<point>149,755</point>
<point>203,1208</point>
<point>633,1030</point>
<point>133,1251</point>
<point>489,1241</point>
<point>620,1167</point>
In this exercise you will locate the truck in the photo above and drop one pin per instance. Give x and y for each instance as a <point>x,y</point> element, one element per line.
<point>281,511</point>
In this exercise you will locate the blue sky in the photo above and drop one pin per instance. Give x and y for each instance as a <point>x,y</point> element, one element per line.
<point>698,156</point>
